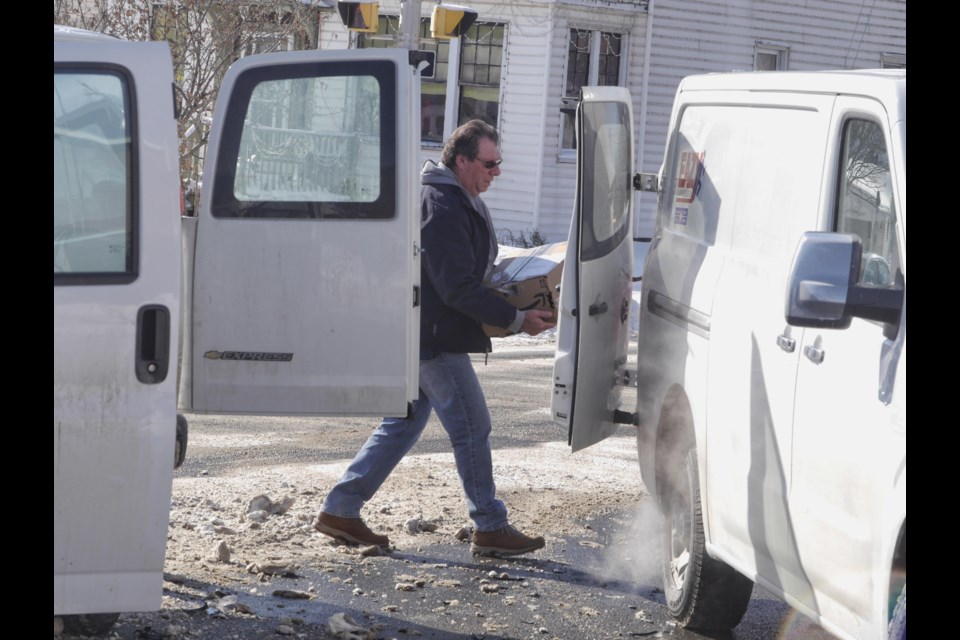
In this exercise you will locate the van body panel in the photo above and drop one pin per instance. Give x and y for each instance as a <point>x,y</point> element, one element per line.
<point>593,333</point>
<point>800,432</point>
<point>850,440</point>
<point>116,243</point>
<point>750,439</point>
<point>308,258</point>
<point>305,261</point>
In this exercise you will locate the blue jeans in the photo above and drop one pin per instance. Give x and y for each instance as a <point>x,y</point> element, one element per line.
<point>448,384</point>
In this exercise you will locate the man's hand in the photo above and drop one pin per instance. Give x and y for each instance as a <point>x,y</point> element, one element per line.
<point>535,321</point>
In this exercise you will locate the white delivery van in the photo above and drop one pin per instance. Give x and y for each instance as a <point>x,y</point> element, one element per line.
<point>771,375</point>
<point>300,278</point>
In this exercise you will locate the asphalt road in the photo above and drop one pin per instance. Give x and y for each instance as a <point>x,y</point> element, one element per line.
<point>575,593</point>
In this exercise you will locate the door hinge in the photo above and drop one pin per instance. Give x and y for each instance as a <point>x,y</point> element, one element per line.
<point>416,296</point>
<point>646,182</point>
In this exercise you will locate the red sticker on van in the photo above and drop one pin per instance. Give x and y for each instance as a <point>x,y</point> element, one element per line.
<point>688,178</point>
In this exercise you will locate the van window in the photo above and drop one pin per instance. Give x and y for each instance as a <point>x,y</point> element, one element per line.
<point>753,167</point>
<point>313,144</point>
<point>865,204</point>
<point>92,205</point>
<point>684,208</point>
<point>606,181</point>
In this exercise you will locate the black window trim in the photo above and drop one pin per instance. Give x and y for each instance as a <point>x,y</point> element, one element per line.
<point>591,247</point>
<point>225,205</point>
<point>133,182</point>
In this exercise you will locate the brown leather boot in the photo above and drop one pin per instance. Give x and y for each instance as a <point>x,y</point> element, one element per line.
<point>348,530</point>
<point>505,541</point>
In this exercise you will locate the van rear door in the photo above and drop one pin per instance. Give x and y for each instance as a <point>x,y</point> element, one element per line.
<point>590,367</point>
<point>116,299</point>
<point>304,286</point>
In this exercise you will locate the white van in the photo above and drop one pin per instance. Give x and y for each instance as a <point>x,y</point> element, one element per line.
<point>771,375</point>
<point>300,278</point>
<point>116,302</point>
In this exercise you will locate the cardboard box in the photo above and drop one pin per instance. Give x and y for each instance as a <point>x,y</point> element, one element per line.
<point>527,279</point>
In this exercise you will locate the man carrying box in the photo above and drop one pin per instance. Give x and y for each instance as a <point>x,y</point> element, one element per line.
<point>459,251</point>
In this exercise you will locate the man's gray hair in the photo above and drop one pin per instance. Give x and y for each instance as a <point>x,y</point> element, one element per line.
<point>466,140</point>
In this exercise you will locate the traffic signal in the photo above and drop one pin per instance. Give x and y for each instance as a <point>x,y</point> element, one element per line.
<point>451,21</point>
<point>359,16</point>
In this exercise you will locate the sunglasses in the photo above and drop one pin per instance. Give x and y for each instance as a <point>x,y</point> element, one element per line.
<point>489,164</point>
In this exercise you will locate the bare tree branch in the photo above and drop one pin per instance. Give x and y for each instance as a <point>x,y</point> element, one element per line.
<point>205,37</point>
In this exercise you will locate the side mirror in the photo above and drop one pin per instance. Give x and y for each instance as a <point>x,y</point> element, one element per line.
<point>823,292</point>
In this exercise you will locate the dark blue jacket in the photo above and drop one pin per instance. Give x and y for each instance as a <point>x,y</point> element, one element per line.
<point>459,247</point>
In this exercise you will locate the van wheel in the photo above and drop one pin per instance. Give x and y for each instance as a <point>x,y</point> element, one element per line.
<point>701,593</point>
<point>897,629</point>
<point>89,624</point>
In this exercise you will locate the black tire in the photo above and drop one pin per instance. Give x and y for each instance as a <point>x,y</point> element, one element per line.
<point>180,449</point>
<point>897,629</point>
<point>701,593</point>
<point>89,624</point>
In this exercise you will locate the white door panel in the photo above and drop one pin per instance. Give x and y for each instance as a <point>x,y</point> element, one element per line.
<point>597,283</point>
<point>305,268</point>
<point>116,315</point>
<point>849,445</point>
<point>753,352</point>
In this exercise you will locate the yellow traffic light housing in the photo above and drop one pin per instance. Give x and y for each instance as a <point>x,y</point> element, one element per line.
<point>359,16</point>
<point>451,21</point>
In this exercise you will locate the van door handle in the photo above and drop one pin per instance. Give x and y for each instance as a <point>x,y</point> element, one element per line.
<point>786,343</point>
<point>152,355</point>
<point>814,354</point>
<point>597,309</point>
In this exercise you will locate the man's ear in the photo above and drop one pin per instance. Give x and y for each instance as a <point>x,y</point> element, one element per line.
<point>459,164</point>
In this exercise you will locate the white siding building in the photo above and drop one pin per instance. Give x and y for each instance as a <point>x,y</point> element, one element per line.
<point>526,59</point>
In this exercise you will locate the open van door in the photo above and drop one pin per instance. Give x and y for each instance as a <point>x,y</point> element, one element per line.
<point>305,280</point>
<point>116,306</point>
<point>590,367</point>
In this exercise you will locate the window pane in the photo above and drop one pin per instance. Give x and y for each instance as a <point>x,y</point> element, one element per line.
<point>319,143</point>
<point>479,102</point>
<point>569,140</point>
<point>469,54</point>
<point>386,26</point>
<point>480,68</point>
<point>92,207</point>
<point>578,62</point>
<point>443,68</point>
<point>443,60</point>
<point>866,207</point>
<point>433,100</point>
<point>303,143</point>
<point>766,62</point>
<point>608,64</point>
<point>606,184</point>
